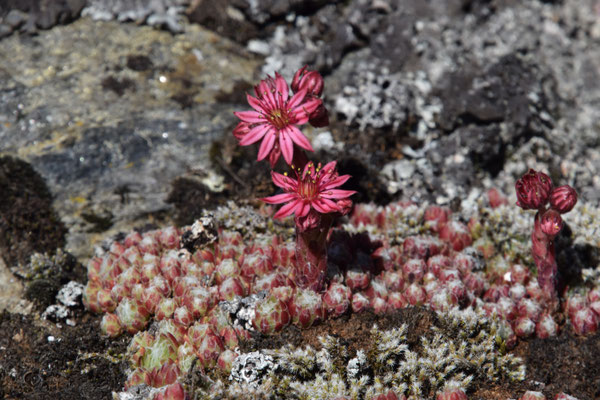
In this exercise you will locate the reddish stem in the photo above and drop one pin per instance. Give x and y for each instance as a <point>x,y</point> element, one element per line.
<point>544,257</point>
<point>311,255</point>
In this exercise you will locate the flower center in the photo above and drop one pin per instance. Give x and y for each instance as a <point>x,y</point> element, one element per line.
<point>308,188</point>
<point>279,118</point>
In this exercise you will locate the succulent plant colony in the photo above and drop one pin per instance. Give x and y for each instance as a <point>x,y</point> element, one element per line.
<point>173,289</point>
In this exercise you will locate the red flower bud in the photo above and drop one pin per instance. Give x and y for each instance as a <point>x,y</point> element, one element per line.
<point>311,81</point>
<point>533,190</point>
<point>241,130</point>
<point>551,223</point>
<point>563,199</point>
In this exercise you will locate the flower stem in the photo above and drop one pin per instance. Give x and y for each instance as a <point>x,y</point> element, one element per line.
<point>310,267</point>
<point>544,257</point>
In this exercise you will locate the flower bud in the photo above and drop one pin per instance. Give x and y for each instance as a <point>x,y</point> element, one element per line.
<point>551,223</point>
<point>311,81</point>
<point>533,190</point>
<point>563,199</point>
<point>345,206</point>
<point>241,130</point>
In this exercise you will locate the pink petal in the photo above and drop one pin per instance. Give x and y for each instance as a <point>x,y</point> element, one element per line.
<point>296,99</point>
<point>286,210</point>
<point>336,194</point>
<point>270,99</point>
<point>298,137</point>
<point>282,86</point>
<point>250,116</point>
<point>255,134</point>
<point>339,181</point>
<point>287,147</point>
<point>261,89</point>
<point>324,206</point>
<point>321,207</point>
<point>329,167</point>
<point>308,106</point>
<point>302,209</point>
<point>298,118</point>
<point>284,182</point>
<point>274,155</point>
<point>256,104</point>
<point>280,198</point>
<point>267,144</point>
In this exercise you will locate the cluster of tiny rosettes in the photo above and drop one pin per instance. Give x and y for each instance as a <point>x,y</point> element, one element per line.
<point>147,278</point>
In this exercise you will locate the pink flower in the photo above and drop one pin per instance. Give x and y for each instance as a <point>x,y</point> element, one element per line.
<point>274,119</point>
<point>314,188</point>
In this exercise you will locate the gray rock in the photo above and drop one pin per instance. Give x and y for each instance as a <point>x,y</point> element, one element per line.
<point>159,13</point>
<point>110,159</point>
<point>15,18</point>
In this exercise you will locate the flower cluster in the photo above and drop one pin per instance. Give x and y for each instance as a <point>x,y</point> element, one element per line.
<point>313,196</point>
<point>534,192</point>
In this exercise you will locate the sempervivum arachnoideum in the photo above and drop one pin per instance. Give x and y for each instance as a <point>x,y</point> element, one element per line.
<point>174,391</point>
<point>337,299</point>
<point>422,247</point>
<point>531,395</point>
<point>306,307</point>
<point>452,394</point>
<point>206,342</point>
<point>271,315</point>
<point>133,316</point>
<point>390,395</point>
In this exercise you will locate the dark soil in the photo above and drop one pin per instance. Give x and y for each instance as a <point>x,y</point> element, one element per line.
<point>78,364</point>
<point>27,221</point>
